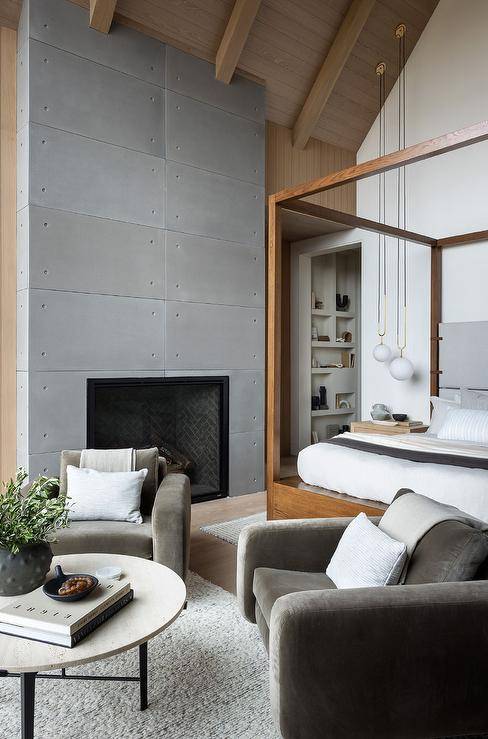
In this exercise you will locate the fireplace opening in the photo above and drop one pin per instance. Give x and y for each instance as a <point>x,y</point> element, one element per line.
<point>187,418</point>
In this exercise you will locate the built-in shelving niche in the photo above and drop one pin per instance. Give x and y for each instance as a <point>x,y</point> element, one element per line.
<point>328,335</point>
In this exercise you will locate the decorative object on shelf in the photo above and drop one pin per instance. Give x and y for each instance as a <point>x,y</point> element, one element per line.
<point>345,428</point>
<point>331,430</point>
<point>315,333</point>
<point>344,404</point>
<point>401,368</point>
<point>315,403</point>
<point>315,363</point>
<point>381,351</point>
<point>399,417</point>
<point>28,522</point>
<point>324,338</point>
<point>342,302</point>
<point>313,300</point>
<point>347,337</point>
<point>319,305</point>
<point>323,398</point>
<point>380,412</point>
<point>315,437</point>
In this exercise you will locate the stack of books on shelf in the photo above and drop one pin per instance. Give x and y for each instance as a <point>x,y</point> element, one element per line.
<point>36,616</point>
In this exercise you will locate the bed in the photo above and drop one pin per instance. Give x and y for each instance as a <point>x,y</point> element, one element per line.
<point>364,472</point>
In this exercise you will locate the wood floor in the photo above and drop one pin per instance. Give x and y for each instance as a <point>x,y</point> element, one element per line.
<point>212,558</point>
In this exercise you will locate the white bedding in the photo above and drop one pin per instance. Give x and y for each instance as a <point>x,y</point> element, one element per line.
<point>378,477</point>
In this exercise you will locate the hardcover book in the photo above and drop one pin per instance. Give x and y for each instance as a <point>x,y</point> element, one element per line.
<point>35,616</point>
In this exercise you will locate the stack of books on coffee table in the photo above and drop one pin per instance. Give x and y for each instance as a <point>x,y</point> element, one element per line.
<point>38,617</point>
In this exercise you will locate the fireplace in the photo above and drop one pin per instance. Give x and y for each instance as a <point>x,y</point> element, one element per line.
<point>188,416</point>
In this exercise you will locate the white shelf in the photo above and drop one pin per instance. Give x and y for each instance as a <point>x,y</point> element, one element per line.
<point>331,345</point>
<point>337,313</point>
<point>330,370</point>
<point>333,412</point>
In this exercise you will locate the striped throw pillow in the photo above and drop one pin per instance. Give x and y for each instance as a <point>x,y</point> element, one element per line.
<point>465,424</point>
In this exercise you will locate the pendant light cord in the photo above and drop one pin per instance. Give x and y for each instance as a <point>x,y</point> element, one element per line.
<point>382,264</point>
<point>402,272</point>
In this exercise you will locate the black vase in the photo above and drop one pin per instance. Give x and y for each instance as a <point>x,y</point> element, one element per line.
<point>23,572</point>
<point>342,302</point>
<point>323,398</point>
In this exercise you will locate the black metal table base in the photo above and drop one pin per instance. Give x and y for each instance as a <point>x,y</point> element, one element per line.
<point>28,684</point>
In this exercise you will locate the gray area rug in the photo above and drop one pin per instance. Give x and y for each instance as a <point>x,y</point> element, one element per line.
<point>230,530</point>
<point>208,679</point>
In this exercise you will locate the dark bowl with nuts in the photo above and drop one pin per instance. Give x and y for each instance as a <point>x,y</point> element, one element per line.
<point>69,587</point>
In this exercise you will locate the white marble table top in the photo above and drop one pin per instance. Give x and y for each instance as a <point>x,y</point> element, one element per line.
<point>159,597</point>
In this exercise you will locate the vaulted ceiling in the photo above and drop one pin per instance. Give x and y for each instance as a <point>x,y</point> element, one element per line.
<point>285,44</point>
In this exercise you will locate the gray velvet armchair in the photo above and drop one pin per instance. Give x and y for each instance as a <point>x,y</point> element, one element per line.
<point>164,535</point>
<point>408,661</point>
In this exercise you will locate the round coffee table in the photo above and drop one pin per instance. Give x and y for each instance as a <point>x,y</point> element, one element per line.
<point>159,597</point>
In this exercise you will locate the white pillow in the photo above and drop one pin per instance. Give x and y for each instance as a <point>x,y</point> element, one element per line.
<point>366,557</point>
<point>104,496</point>
<point>474,399</point>
<point>441,407</point>
<point>465,424</point>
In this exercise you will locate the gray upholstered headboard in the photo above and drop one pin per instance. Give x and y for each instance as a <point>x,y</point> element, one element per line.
<point>463,356</point>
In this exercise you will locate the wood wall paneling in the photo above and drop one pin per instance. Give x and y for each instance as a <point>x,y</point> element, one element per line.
<point>287,166</point>
<point>8,276</point>
<point>285,429</point>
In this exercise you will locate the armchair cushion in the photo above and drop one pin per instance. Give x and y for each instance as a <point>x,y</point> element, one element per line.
<point>110,537</point>
<point>270,584</point>
<point>450,552</point>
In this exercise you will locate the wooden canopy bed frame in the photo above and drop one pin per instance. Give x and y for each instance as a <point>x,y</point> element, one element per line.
<point>289,497</point>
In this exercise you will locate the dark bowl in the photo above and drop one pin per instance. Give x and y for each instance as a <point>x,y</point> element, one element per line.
<point>52,586</point>
<point>400,416</point>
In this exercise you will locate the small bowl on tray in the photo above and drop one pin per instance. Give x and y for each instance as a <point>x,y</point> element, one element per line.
<point>400,417</point>
<point>51,588</point>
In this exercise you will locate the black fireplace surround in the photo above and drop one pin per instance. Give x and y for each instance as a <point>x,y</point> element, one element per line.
<point>187,414</point>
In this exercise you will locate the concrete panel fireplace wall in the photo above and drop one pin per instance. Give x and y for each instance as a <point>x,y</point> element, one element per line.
<point>140,229</point>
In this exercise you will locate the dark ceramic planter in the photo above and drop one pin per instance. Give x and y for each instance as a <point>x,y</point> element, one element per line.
<point>23,572</point>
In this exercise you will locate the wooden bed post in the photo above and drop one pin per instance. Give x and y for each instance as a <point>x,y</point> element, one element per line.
<point>435,316</point>
<point>273,379</point>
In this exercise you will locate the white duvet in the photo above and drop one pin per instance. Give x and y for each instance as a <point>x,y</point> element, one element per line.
<point>377,477</point>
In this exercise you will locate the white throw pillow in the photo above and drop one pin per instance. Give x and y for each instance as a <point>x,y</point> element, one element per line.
<point>465,424</point>
<point>366,557</point>
<point>441,407</point>
<point>474,399</point>
<point>104,496</point>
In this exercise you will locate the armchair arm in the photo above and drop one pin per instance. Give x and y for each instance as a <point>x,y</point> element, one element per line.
<point>171,517</point>
<point>403,661</point>
<point>305,545</point>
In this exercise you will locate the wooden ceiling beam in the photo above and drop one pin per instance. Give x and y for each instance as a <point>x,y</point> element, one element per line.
<point>396,159</point>
<point>348,219</point>
<point>234,38</point>
<point>334,63</point>
<point>102,14</point>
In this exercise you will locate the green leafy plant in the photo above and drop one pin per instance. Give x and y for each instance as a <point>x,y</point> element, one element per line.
<point>32,515</point>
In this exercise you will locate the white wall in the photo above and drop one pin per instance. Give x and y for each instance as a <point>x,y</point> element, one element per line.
<point>447,88</point>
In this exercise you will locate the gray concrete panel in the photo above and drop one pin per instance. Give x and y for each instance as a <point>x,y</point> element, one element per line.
<point>22,410</point>
<point>204,270</point>
<point>246,463</point>
<point>84,97</point>
<point>209,204</point>
<point>207,137</point>
<point>246,396</point>
<point>65,26</point>
<point>43,464</point>
<point>70,172</point>
<point>95,255</point>
<point>195,78</point>
<point>75,331</point>
<point>23,337</point>
<point>23,249</point>
<point>22,86</point>
<point>23,174</point>
<point>203,337</point>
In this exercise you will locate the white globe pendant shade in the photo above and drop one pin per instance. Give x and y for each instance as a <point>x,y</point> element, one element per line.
<point>401,368</point>
<point>381,352</point>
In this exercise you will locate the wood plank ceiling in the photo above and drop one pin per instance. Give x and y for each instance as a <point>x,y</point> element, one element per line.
<point>285,49</point>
